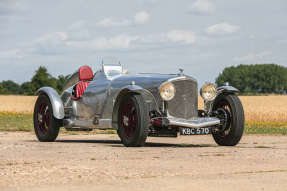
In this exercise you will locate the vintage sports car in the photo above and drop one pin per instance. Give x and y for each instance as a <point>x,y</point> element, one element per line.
<point>137,106</point>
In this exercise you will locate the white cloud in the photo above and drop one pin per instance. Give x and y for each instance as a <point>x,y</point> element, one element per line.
<point>79,31</point>
<point>52,37</point>
<point>108,22</point>
<point>149,3</point>
<point>103,43</point>
<point>141,17</point>
<point>13,53</point>
<point>51,43</point>
<point>186,37</point>
<point>82,34</point>
<point>202,7</point>
<point>222,28</point>
<point>254,56</point>
<point>65,42</point>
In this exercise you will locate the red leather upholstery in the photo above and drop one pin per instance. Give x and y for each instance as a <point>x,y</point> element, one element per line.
<point>85,73</point>
<point>80,89</point>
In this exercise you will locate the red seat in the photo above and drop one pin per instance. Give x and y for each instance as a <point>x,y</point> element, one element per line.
<point>85,76</point>
<point>85,73</point>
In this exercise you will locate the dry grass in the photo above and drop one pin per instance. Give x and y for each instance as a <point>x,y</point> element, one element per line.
<point>264,114</point>
<point>271,108</point>
<point>19,104</point>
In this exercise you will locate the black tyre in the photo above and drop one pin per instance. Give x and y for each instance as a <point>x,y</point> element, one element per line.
<point>133,121</point>
<point>230,111</point>
<point>46,127</point>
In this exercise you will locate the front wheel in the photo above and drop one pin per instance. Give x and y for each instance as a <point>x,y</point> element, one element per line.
<point>133,121</point>
<point>229,110</point>
<point>46,126</point>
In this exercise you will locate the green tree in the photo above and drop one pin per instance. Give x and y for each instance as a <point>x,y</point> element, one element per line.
<point>1,89</point>
<point>27,88</point>
<point>10,87</point>
<point>259,78</point>
<point>43,78</point>
<point>61,81</point>
<point>40,79</point>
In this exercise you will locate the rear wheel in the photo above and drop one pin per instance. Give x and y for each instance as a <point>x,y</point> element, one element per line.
<point>46,126</point>
<point>229,110</point>
<point>133,121</point>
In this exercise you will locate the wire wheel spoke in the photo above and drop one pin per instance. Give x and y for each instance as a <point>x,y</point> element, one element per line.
<point>225,117</point>
<point>129,119</point>
<point>43,118</point>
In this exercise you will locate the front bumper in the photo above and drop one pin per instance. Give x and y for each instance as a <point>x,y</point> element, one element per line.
<point>196,122</point>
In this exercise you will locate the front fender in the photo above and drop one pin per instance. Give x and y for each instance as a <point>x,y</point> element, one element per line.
<point>56,102</point>
<point>226,89</point>
<point>220,90</point>
<point>147,95</point>
<point>148,98</point>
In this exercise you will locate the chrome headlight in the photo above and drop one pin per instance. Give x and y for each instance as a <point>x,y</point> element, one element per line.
<point>167,91</point>
<point>208,92</point>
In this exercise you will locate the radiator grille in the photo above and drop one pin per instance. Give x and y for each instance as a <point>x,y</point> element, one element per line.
<point>185,103</point>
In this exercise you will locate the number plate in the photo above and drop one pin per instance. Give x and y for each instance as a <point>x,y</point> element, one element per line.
<point>195,131</point>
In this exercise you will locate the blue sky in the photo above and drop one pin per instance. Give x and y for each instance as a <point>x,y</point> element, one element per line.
<point>200,36</point>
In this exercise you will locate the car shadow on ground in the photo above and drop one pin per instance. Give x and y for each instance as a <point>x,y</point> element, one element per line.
<point>117,143</point>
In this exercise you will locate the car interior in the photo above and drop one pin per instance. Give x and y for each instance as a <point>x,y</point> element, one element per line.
<point>85,76</point>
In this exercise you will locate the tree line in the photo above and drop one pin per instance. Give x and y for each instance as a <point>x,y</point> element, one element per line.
<point>258,78</point>
<point>40,79</point>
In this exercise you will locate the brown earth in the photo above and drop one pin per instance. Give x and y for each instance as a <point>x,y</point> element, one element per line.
<point>100,162</point>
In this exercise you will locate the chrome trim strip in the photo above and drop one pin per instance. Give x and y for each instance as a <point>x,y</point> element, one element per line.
<point>172,80</point>
<point>196,122</point>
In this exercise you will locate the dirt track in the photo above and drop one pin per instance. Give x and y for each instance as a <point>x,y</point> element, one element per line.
<point>100,162</point>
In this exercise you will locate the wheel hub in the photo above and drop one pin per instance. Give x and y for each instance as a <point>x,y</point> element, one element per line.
<point>40,118</point>
<point>126,121</point>
<point>224,117</point>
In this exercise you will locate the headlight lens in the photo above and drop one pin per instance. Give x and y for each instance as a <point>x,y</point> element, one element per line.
<point>208,92</point>
<point>167,91</point>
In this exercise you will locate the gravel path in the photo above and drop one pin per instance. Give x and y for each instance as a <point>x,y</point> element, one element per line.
<point>100,162</point>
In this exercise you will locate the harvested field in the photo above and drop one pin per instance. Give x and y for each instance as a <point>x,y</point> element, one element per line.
<point>257,108</point>
<point>19,104</point>
<point>264,114</point>
<point>265,108</point>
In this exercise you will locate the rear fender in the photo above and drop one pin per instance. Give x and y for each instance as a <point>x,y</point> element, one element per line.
<point>56,102</point>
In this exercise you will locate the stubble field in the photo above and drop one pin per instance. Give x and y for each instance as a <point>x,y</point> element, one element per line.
<point>263,114</point>
<point>272,108</point>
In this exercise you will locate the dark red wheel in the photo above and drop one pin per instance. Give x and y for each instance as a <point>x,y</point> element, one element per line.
<point>129,119</point>
<point>43,117</point>
<point>133,120</point>
<point>46,127</point>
